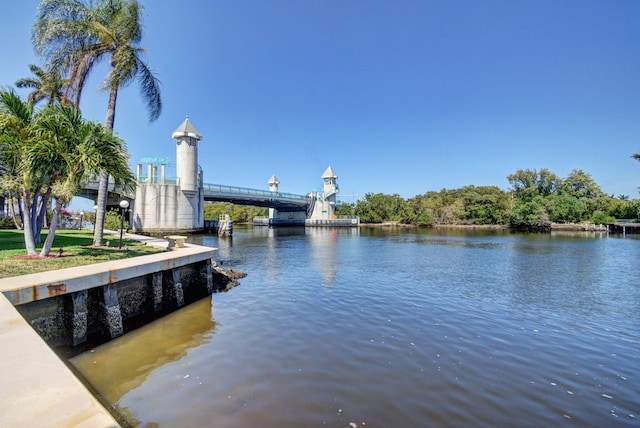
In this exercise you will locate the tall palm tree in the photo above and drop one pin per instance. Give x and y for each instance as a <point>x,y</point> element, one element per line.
<point>46,85</point>
<point>75,35</point>
<point>636,156</point>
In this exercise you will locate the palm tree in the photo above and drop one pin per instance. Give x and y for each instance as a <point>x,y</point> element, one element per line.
<point>16,135</point>
<point>54,150</point>
<point>636,156</point>
<point>74,151</point>
<point>75,35</point>
<point>46,85</point>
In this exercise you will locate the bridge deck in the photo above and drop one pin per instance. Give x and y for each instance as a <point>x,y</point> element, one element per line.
<point>256,197</point>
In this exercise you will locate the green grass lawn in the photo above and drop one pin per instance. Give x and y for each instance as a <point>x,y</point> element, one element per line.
<point>77,251</point>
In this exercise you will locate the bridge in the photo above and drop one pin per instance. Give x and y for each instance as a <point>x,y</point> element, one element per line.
<point>214,193</point>
<point>259,198</point>
<point>164,205</point>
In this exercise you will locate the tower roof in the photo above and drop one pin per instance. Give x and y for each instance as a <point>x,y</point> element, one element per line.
<point>329,173</point>
<point>274,180</point>
<point>186,129</point>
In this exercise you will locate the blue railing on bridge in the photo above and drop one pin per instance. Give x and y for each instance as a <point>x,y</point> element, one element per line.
<point>219,188</point>
<point>144,179</point>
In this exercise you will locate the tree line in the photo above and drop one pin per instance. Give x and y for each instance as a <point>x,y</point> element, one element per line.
<point>536,199</point>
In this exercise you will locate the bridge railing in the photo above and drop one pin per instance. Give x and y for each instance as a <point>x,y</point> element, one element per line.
<point>144,179</point>
<point>219,188</point>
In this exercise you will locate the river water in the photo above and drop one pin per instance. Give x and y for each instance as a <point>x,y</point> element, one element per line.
<point>391,328</point>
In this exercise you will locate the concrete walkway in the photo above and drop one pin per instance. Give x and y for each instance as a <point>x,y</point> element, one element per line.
<point>37,388</point>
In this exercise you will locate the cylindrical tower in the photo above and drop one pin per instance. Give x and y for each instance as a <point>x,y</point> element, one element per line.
<point>330,192</point>
<point>273,187</point>
<point>187,137</point>
<point>273,183</point>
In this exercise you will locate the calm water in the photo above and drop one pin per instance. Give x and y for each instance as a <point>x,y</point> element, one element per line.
<point>392,329</point>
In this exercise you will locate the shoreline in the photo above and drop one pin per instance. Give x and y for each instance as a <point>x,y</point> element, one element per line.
<point>568,227</point>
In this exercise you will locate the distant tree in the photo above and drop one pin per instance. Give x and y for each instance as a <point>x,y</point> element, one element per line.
<point>580,184</point>
<point>623,197</point>
<point>531,215</point>
<point>484,204</point>
<point>46,85</point>
<point>562,207</point>
<point>238,213</point>
<point>528,183</point>
<point>378,208</point>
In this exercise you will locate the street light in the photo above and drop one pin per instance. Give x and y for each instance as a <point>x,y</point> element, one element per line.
<point>81,219</point>
<point>124,204</point>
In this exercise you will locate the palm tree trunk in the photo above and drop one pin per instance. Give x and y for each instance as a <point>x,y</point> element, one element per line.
<point>33,214</point>
<point>42,214</point>
<point>103,186</point>
<point>48,243</point>
<point>29,242</point>
<point>103,193</point>
<point>12,211</point>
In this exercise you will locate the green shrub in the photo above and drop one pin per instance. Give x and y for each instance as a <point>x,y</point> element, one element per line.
<point>7,223</point>
<point>112,220</point>
<point>600,217</point>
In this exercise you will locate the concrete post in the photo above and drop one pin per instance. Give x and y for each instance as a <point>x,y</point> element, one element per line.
<point>76,315</point>
<point>206,276</point>
<point>156,291</point>
<point>111,315</point>
<point>173,294</point>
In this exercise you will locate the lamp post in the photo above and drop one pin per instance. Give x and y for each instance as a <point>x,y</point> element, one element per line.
<point>124,204</point>
<point>81,219</point>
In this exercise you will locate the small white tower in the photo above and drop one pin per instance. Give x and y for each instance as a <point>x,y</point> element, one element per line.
<point>187,137</point>
<point>330,191</point>
<point>273,183</point>
<point>273,187</point>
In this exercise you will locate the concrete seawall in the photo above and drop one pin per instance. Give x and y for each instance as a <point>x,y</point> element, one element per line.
<point>64,306</point>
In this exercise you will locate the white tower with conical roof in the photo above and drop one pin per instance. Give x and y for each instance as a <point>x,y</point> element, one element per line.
<point>187,138</point>
<point>273,188</point>
<point>324,204</point>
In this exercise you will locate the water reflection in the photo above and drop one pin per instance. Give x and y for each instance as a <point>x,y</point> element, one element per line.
<point>324,246</point>
<point>124,364</point>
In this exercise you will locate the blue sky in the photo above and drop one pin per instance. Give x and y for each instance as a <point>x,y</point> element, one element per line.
<point>397,96</point>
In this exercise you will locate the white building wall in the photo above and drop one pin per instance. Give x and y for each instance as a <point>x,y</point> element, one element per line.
<point>165,208</point>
